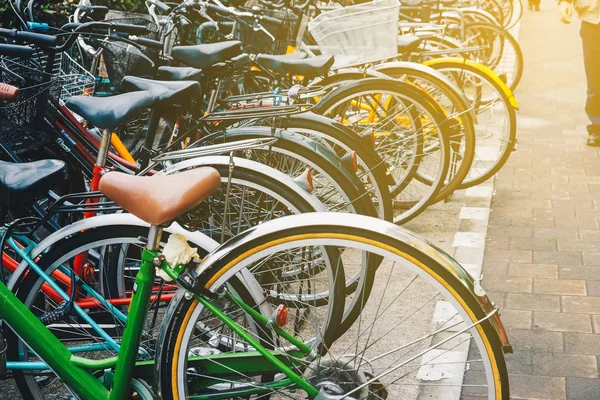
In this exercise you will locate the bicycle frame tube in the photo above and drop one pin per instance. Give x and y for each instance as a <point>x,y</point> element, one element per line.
<point>60,359</point>
<point>142,290</point>
<point>293,376</point>
<point>23,253</point>
<point>48,347</point>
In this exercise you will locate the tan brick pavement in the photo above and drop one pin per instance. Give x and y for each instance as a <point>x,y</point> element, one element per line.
<point>542,260</point>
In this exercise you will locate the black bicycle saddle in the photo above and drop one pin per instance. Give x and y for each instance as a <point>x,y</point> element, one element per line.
<point>110,112</point>
<point>180,74</point>
<point>166,92</point>
<point>21,183</point>
<point>307,67</point>
<point>206,55</point>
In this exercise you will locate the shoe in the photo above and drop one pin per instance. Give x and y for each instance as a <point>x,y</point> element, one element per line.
<point>593,139</point>
<point>537,8</point>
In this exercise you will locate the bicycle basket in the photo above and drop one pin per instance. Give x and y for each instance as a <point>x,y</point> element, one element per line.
<point>18,120</point>
<point>358,34</point>
<point>122,59</point>
<point>75,79</point>
<point>257,42</point>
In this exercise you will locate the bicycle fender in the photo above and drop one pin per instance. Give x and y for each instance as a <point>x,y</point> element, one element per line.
<point>284,179</point>
<point>369,232</point>
<point>300,140</point>
<point>353,73</point>
<point>424,69</point>
<point>480,67</point>
<point>196,238</point>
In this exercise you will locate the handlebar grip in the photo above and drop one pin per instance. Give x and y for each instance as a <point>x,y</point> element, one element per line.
<point>9,93</point>
<point>272,20</point>
<point>153,44</point>
<point>219,9</point>
<point>29,37</point>
<point>13,50</point>
<point>130,29</point>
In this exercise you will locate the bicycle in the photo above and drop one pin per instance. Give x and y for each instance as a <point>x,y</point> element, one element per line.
<point>284,361</point>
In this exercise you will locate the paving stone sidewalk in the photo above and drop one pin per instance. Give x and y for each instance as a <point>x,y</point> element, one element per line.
<point>542,258</point>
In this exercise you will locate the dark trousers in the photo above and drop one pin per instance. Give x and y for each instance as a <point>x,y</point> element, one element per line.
<point>590,36</point>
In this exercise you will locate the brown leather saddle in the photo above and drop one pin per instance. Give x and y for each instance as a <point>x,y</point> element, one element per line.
<point>161,198</point>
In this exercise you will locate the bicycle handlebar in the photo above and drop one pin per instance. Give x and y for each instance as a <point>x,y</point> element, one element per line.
<point>13,50</point>
<point>243,14</point>
<point>153,44</point>
<point>29,37</point>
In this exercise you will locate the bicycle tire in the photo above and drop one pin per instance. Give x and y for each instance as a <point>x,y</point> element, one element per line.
<point>396,244</point>
<point>498,62</point>
<point>445,86</point>
<point>511,140</point>
<point>344,141</point>
<point>413,95</point>
<point>30,286</point>
<point>350,194</point>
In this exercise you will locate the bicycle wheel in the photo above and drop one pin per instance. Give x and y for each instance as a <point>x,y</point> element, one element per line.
<point>500,51</point>
<point>400,347</point>
<point>82,339</point>
<point>455,106</point>
<point>495,116</point>
<point>332,183</point>
<point>344,142</point>
<point>497,9</point>
<point>465,15</point>
<point>75,329</point>
<point>409,134</point>
<point>517,14</point>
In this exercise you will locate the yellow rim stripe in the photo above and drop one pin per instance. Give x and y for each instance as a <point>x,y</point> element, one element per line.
<point>186,320</point>
<point>374,243</point>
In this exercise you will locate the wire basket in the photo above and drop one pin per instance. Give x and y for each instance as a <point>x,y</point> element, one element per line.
<point>75,79</point>
<point>122,59</point>
<point>20,119</point>
<point>258,42</point>
<point>358,34</point>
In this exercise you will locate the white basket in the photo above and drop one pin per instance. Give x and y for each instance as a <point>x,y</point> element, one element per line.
<point>360,33</point>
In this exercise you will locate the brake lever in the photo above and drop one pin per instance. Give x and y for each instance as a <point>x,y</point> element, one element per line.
<point>257,26</point>
<point>151,10</point>
<point>117,37</point>
<point>205,15</point>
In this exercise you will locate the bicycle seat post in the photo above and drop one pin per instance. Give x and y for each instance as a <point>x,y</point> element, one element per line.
<point>103,149</point>
<point>154,236</point>
<point>100,162</point>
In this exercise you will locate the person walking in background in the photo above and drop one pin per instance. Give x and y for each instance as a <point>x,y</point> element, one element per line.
<point>589,13</point>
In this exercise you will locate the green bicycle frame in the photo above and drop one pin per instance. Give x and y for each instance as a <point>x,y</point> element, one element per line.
<point>75,370</point>
<point>71,369</point>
